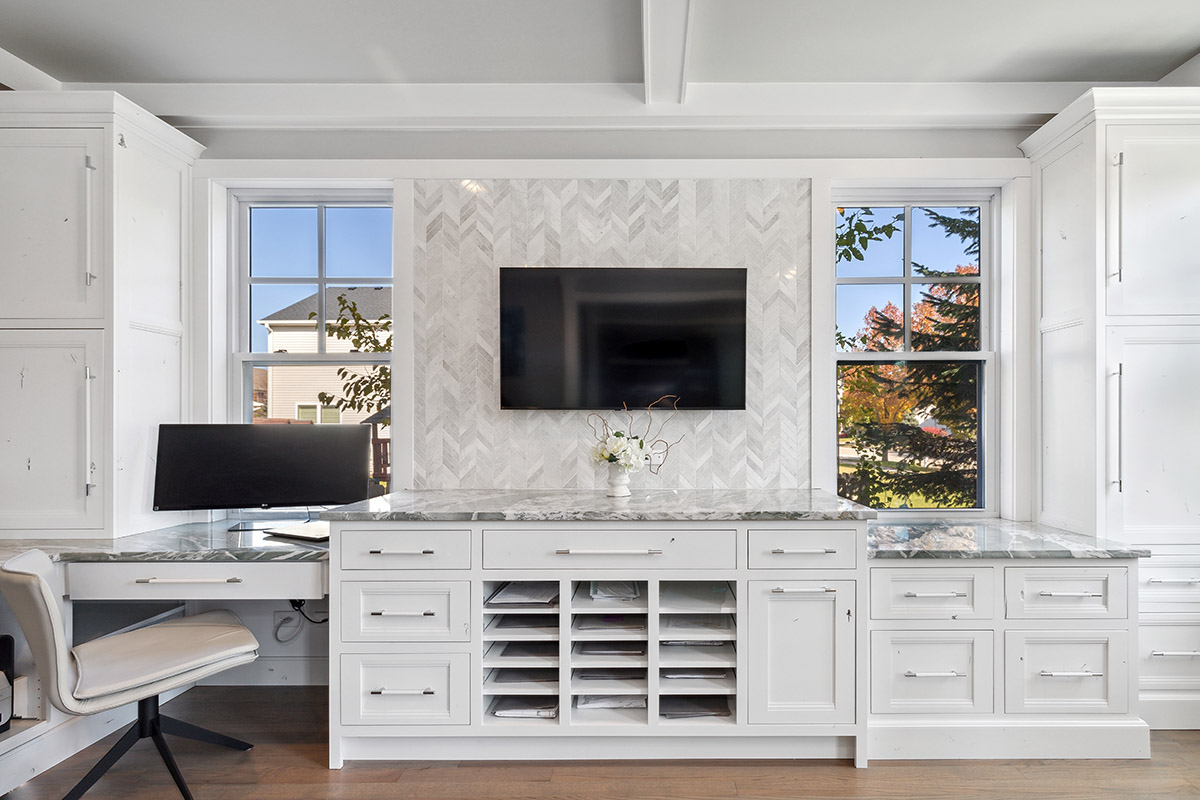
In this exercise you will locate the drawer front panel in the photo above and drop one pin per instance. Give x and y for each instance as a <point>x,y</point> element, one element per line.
<point>404,689</point>
<point>1048,593</point>
<point>1169,656</point>
<point>192,580</point>
<point>1169,584</point>
<point>931,672</point>
<point>931,593</point>
<point>816,548</point>
<point>397,611</point>
<point>406,549</point>
<point>609,549</point>
<point>1066,672</point>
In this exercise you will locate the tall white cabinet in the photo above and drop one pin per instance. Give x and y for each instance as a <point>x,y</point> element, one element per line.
<point>1117,205</point>
<point>93,250</point>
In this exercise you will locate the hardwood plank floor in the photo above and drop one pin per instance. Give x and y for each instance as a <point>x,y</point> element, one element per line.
<point>288,762</point>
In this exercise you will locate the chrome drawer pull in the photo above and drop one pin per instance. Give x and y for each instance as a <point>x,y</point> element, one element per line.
<point>821,590</point>
<point>188,580</point>
<point>1174,580</point>
<point>427,552</point>
<point>952,674</point>
<point>1070,594</point>
<point>569,552</point>
<point>935,594</point>
<point>1174,653</point>
<point>386,613</point>
<point>1048,674</point>
<point>818,551</point>
<point>402,691</point>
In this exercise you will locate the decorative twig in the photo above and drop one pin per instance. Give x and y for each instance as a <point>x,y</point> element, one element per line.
<point>629,449</point>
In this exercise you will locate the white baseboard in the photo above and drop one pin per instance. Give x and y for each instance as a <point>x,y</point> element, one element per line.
<point>1170,711</point>
<point>1008,738</point>
<point>275,671</point>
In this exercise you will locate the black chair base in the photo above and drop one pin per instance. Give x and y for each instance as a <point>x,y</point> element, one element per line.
<point>152,725</point>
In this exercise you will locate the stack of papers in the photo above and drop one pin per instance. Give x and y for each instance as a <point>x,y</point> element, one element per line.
<point>525,594</point>
<point>528,706</point>
<point>615,590</point>
<point>713,673</point>
<point>607,622</point>
<point>697,622</point>
<point>610,701</point>
<point>609,673</point>
<point>612,648</point>
<point>687,706</point>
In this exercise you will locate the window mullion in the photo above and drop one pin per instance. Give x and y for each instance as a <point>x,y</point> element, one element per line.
<point>321,289</point>
<point>908,276</point>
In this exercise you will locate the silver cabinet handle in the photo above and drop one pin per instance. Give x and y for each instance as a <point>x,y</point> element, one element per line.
<point>88,377</point>
<point>426,552</point>
<point>1174,653</point>
<point>951,674</point>
<point>1070,594</point>
<point>1048,674</point>
<point>386,613</point>
<point>88,169</point>
<point>1120,481</point>
<point>187,580</point>
<point>818,590</point>
<point>383,691</point>
<point>935,594</point>
<point>1174,580</point>
<point>816,551</point>
<point>571,552</point>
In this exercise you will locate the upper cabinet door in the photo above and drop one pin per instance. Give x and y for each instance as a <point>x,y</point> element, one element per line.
<point>1153,212</point>
<point>51,224</point>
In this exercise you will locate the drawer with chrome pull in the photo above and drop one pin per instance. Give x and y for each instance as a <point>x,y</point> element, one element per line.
<point>1050,593</point>
<point>1066,672</point>
<point>412,611</point>
<point>931,672</point>
<point>1169,655</point>
<point>960,593</point>
<point>609,549</point>
<point>1169,584</point>
<point>406,549</point>
<point>405,689</point>
<point>195,580</point>
<point>807,548</point>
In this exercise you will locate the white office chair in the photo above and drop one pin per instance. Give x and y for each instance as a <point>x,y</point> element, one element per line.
<point>119,669</point>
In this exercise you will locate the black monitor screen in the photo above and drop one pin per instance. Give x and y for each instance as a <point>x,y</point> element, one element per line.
<point>260,466</point>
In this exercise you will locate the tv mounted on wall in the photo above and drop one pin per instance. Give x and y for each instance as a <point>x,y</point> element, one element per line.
<point>597,337</point>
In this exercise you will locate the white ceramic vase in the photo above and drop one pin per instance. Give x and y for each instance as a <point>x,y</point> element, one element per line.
<point>618,481</point>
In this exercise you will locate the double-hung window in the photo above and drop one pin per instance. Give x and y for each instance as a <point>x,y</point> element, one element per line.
<point>914,359</point>
<point>314,319</point>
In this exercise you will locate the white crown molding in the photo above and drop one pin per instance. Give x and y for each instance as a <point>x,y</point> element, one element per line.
<point>710,106</point>
<point>22,76</point>
<point>666,34</point>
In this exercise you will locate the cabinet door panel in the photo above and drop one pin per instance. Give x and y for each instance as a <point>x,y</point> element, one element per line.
<point>51,216</point>
<point>1153,210</point>
<point>50,434</point>
<point>801,652</point>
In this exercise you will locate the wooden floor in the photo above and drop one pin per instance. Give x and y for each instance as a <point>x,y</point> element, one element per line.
<point>288,762</point>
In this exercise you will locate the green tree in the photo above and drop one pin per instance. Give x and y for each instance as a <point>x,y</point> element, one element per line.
<point>367,387</point>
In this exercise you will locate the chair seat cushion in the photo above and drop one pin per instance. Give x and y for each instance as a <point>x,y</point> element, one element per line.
<point>127,660</point>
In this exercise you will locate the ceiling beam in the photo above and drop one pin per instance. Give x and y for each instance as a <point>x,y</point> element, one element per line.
<point>22,76</point>
<point>666,34</point>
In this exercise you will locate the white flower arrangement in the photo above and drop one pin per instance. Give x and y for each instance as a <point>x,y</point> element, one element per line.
<point>630,450</point>
<point>617,448</point>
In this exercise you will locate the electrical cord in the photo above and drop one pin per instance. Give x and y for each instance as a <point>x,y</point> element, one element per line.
<point>287,621</point>
<point>298,605</point>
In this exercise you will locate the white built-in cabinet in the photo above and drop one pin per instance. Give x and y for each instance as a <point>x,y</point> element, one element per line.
<point>93,248</point>
<point>1117,209</point>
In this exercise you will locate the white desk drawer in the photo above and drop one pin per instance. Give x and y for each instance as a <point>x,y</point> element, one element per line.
<point>609,549</point>
<point>931,593</point>
<point>1049,593</point>
<point>406,549</point>
<point>931,672</point>
<point>405,689</point>
<point>1169,584</point>
<point>1169,657</point>
<point>398,611</point>
<point>817,548</point>
<point>196,580</point>
<point>1066,672</point>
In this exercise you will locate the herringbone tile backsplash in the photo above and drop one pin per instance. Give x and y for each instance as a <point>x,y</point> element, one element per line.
<point>467,229</point>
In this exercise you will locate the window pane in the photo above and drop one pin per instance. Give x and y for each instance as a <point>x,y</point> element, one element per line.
<point>358,242</point>
<point>330,415</point>
<point>283,242</point>
<point>869,317</point>
<point>945,241</point>
<point>359,319</point>
<point>279,318</point>
<point>909,434</point>
<point>945,316</point>
<point>306,413</point>
<point>870,242</point>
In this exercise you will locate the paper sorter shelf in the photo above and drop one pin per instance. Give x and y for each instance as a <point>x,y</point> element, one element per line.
<point>696,597</point>
<point>711,627</point>
<point>585,627</point>
<point>582,659</point>
<point>546,629</point>
<point>582,601</point>
<point>668,686</point>
<point>623,686</point>
<point>517,654</point>
<point>493,685</point>
<point>722,655</point>
<point>608,716</point>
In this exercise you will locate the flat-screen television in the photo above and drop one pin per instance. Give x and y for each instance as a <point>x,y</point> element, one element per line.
<point>260,466</point>
<point>597,337</point>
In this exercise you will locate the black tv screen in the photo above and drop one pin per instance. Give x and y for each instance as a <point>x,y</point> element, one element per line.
<point>260,466</point>
<point>597,337</point>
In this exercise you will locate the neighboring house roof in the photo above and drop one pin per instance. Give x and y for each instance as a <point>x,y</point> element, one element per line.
<point>373,302</point>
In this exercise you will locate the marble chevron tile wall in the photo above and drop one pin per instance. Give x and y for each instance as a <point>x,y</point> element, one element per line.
<point>467,230</point>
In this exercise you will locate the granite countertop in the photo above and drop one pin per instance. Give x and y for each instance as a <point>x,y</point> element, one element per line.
<point>197,541</point>
<point>566,506</point>
<point>990,538</point>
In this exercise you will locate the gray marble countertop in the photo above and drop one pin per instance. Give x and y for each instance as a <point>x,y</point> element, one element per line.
<point>990,538</point>
<point>565,506</point>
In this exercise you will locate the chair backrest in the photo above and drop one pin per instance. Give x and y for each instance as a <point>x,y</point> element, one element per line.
<point>34,593</point>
